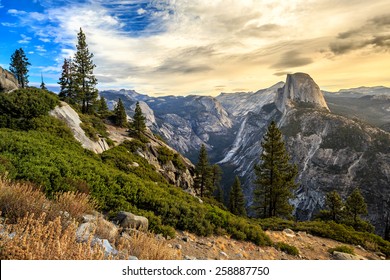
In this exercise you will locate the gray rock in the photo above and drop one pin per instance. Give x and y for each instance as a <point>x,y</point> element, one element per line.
<point>106,245</point>
<point>189,258</point>
<point>84,231</point>
<point>8,82</point>
<point>344,256</point>
<point>178,246</point>
<point>127,220</point>
<point>133,258</point>
<point>66,113</point>
<point>300,88</point>
<point>239,255</point>
<point>288,232</point>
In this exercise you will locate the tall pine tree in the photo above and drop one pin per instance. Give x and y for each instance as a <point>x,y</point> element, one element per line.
<point>67,90</point>
<point>275,177</point>
<point>84,80</point>
<point>335,205</point>
<point>236,199</point>
<point>202,181</point>
<point>216,176</point>
<point>138,125</point>
<point>102,109</point>
<point>18,67</point>
<point>120,114</point>
<point>356,206</point>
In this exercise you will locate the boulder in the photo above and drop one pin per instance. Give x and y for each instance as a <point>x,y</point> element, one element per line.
<point>84,231</point>
<point>344,256</point>
<point>128,220</point>
<point>8,81</point>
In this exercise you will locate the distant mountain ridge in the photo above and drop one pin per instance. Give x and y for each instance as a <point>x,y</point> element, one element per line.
<point>333,152</point>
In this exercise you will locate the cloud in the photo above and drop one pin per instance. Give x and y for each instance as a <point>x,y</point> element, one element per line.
<point>375,33</point>
<point>292,59</point>
<point>25,39</point>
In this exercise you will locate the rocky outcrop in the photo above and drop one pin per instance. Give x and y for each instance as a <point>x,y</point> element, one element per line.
<point>8,81</point>
<point>300,88</point>
<point>127,220</point>
<point>66,113</point>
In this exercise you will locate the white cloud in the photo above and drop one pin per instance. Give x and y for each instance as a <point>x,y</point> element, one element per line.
<point>141,11</point>
<point>25,39</point>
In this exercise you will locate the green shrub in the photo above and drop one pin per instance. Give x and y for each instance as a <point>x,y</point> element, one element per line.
<point>343,249</point>
<point>93,127</point>
<point>164,155</point>
<point>134,145</point>
<point>288,249</point>
<point>178,162</point>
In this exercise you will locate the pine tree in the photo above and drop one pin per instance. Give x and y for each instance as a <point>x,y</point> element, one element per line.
<point>356,205</point>
<point>43,85</point>
<point>335,205</point>
<point>138,124</point>
<point>84,80</point>
<point>18,67</point>
<point>216,176</point>
<point>67,91</point>
<point>236,199</point>
<point>202,182</point>
<point>120,114</point>
<point>103,108</point>
<point>275,177</point>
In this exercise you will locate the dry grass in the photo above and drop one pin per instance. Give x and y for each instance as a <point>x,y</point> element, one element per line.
<point>35,239</point>
<point>41,229</point>
<point>18,199</point>
<point>145,246</point>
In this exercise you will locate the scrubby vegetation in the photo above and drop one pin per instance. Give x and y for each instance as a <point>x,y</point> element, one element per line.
<point>289,249</point>
<point>332,230</point>
<point>342,249</point>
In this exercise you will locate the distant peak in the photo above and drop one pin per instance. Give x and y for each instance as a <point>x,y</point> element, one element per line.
<point>300,88</point>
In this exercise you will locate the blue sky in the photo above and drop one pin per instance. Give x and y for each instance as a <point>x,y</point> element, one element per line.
<point>201,46</point>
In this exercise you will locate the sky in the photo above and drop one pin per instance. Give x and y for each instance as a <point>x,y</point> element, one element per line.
<point>205,47</point>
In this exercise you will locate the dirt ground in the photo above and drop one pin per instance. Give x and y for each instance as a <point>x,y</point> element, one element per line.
<point>191,247</point>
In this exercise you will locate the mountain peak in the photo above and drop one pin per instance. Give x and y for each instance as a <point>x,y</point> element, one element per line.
<point>300,88</point>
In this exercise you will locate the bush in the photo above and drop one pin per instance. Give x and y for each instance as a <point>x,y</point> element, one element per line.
<point>343,249</point>
<point>288,249</point>
<point>164,155</point>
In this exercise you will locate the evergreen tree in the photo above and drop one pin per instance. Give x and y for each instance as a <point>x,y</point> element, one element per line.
<point>275,177</point>
<point>216,176</point>
<point>335,205</point>
<point>43,85</point>
<point>18,67</point>
<point>84,80</point>
<point>138,124</point>
<point>67,91</point>
<point>202,181</point>
<point>103,108</point>
<point>120,114</point>
<point>356,206</point>
<point>236,199</point>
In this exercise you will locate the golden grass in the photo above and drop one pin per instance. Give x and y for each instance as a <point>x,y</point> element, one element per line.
<point>35,239</point>
<point>146,247</point>
<point>37,228</point>
<point>18,199</point>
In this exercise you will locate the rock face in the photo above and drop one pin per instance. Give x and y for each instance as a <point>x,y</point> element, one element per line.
<point>8,81</point>
<point>127,220</point>
<point>300,88</point>
<point>66,113</point>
